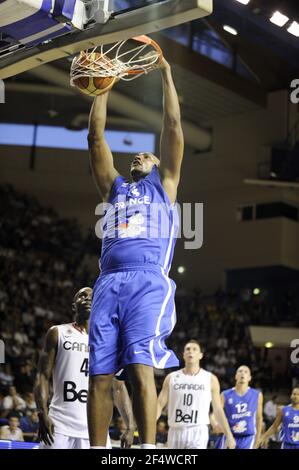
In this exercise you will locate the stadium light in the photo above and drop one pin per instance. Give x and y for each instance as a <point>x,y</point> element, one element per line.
<point>230,30</point>
<point>244,2</point>
<point>181,269</point>
<point>279,19</point>
<point>294,29</point>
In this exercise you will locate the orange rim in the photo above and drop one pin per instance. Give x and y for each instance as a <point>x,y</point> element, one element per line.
<point>143,39</point>
<point>146,40</point>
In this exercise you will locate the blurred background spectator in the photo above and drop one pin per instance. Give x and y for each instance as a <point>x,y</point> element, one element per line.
<point>12,431</point>
<point>29,425</point>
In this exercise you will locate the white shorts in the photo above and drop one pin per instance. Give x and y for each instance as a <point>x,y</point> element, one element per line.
<point>189,437</point>
<point>61,441</point>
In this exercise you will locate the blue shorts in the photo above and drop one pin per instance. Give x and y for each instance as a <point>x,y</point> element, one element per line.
<point>244,442</point>
<point>132,314</point>
<point>285,445</point>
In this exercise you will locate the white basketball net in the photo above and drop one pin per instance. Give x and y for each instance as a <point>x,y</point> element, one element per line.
<point>114,62</point>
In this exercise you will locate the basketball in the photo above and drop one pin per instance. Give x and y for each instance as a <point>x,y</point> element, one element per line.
<point>92,86</point>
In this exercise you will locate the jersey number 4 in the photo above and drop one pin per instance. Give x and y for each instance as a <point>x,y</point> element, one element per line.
<point>84,367</point>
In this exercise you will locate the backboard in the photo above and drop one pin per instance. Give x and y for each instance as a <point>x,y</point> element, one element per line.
<point>54,29</point>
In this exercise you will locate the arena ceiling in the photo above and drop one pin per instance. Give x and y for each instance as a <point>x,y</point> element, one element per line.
<point>208,90</point>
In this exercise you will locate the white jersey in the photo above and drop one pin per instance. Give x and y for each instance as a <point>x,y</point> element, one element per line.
<point>189,399</point>
<point>70,382</point>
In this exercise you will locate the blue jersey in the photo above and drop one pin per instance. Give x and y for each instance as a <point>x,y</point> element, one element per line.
<point>241,411</point>
<point>290,425</point>
<point>139,226</point>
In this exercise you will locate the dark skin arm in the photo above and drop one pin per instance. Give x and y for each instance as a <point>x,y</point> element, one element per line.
<point>172,139</point>
<point>41,388</point>
<point>123,403</point>
<point>101,159</point>
<point>272,430</point>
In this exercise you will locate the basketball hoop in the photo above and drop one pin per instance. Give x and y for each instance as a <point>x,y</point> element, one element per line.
<point>126,60</point>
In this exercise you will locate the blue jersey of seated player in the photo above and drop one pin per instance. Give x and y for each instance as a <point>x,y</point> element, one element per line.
<point>241,412</point>
<point>290,428</point>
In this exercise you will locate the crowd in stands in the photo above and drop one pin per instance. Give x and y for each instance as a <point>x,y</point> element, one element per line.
<point>40,271</point>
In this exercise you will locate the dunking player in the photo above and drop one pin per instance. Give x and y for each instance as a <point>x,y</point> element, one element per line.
<point>133,309</point>
<point>189,393</point>
<point>65,357</point>
<point>288,417</point>
<point>243,407</point>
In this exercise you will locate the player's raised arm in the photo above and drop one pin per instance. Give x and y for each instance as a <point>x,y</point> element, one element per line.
<point>259,421</point>
<point>41,388</point>
<point>123,403</point>
<point>273,429</point>
<point>217,404</point>
<point>163,396</point>
<point>172,139</point>
<point>101,158</point>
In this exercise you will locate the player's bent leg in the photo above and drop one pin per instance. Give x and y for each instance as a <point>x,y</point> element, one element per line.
<point>99,408</point>
<point>144,401</point>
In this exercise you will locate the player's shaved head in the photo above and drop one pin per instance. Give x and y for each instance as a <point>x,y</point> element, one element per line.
<point>82,304</point>
<point>88,290</point>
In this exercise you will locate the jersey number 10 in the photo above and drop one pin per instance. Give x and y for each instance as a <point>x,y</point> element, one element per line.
<point>188,399</point>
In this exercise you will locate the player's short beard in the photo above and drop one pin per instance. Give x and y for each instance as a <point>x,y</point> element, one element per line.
<point>137,174</point>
